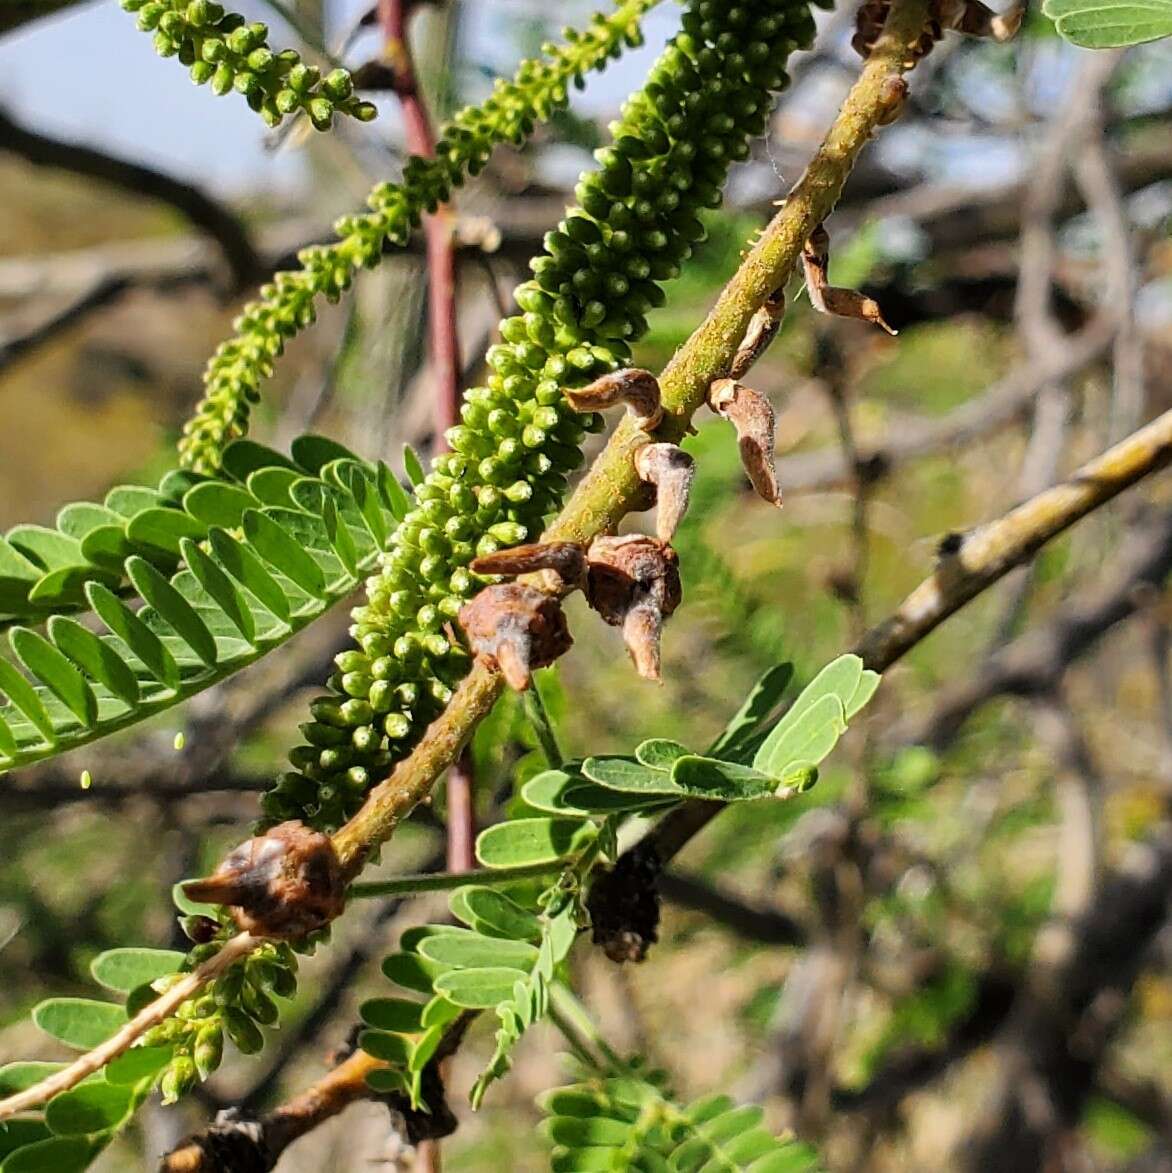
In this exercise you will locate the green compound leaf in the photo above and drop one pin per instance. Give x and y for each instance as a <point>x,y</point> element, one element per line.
<point>79,1022</point>
<point>701,777</point>
<point>164,529</point>
<point>413,466</point>
<point>533,841</point>
<point>283,553</point>
<point>412,972</point>
<point>659,753</point>
<point>625,1123</point>
<point>818,717</point>
<point>19,1133</point>
<point>631,777</point>
<point>95,657</point>
<point>387,1081</point>
<point>229,605</point>
<point>137,1064</point>
<point>808,739</point>
<point>561,793</point>
<point>94,1106</point>
<point>56,672</point>
<point>529,999</point>
<point>1110,24</point>
<point>390,1048</point>
<point>126,969</point>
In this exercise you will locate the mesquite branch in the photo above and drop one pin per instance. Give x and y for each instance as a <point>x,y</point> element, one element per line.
<point>612,487</point>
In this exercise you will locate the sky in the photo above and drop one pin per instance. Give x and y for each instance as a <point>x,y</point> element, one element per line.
<point>92,76</point>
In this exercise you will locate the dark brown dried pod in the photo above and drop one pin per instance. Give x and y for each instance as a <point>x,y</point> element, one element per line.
<point>671,471</point>
<point>283,884</point>
<point>634,583</point>
<point>638,389</point>
<point>518,627</point>
<point>752,415</point>
<point>827,298</point>
<point>624,905</point>
<point>566,559</point>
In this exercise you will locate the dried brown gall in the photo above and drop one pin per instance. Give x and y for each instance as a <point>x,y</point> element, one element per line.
<point>752,415</point>
<point>518,627</point>
<point>634,583</point>
<point>671,471</point>
<point>763,326</point>
<point>566,559</point>
<point>638,389</point>
<point>283,884</point>
<point>827,298</point>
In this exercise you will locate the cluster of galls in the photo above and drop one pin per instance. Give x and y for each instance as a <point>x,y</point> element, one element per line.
<point>223,50</point>
<point>284,886</point>
<point>520,435</point>
<point>633,582</point>
<point>286,305</point>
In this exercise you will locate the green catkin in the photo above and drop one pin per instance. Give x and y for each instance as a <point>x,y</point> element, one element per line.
<point>287,305</point>
<point>636,224</point>
<point>222,50</point>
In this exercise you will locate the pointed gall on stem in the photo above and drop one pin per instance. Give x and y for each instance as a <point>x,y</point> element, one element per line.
<point>762,327</point>
<point>518,627</point>
<point>282,884</point>
<point>671,470</point>
<point>634,583</point>
<point>638,389</point>
<point>826,298</point>
<point>566,559</point>
<point>752,415</point>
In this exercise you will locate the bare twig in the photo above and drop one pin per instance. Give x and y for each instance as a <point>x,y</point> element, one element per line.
<point>998,407</point>
<point>971,562</point>
<point>968,565</point>
<point>752,921</point>
<point>1035,662</point>
<point>139,180</point>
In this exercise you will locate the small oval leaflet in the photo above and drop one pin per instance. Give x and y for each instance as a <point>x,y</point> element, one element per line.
<point>125,969</point>
<point>90,1107</point>
<point>79,1022</point>
<point>478,989</point>
<point>533,841</point>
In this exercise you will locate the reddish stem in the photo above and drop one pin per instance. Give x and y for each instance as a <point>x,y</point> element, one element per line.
<point>461,816</point>
<point>444,349</point>
<point>444,344</point>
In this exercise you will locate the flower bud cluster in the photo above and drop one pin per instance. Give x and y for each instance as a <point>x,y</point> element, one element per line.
<point>287,304</point>
<point>601,272</point>
<point>222,50</point>
<point>237,1004</point>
